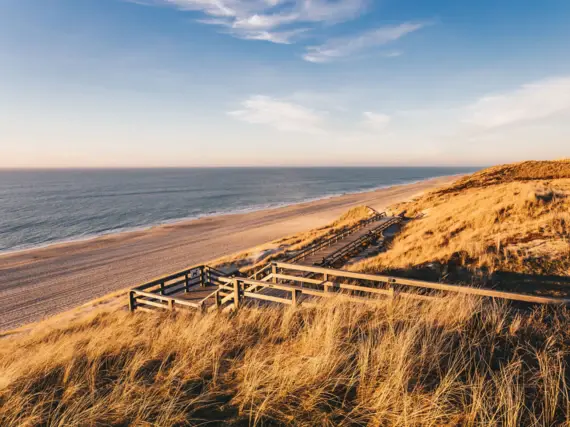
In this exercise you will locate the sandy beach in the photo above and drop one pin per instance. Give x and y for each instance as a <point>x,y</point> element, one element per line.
<point>42,282</point>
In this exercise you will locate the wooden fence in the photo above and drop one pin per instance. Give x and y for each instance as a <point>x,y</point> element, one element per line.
<point>402,286</point>
<point>159,293</point>
<point>289,284</point>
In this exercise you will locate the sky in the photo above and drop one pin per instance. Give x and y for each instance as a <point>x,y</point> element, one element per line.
<point>183,83</point>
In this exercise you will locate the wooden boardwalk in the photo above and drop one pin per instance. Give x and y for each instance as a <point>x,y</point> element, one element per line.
<point>305,278</point>
<point>318,257</point>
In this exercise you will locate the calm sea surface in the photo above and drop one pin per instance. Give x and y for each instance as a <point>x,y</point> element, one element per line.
<point>43,207</point>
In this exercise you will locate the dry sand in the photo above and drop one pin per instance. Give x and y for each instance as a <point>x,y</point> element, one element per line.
<point>42,282</point>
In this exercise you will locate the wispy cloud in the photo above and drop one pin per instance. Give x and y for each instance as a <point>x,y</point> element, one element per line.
<point>277,21</point>
<point>278,37</point>
<point>297,113</point>
<point>280,114</point>
<point>339,48</point>
<point>530,102</point>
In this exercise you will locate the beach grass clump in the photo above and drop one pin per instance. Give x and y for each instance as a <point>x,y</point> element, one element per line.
<point>455,361</point>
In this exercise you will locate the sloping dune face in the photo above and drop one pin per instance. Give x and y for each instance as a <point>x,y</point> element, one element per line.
<point>516,172</point>
<point>511,218</point>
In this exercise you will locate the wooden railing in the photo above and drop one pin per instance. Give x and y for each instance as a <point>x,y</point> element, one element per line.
<point>248,289</point>
<point>292,284</point>
<point>159,293</point>
<point>401,285</point>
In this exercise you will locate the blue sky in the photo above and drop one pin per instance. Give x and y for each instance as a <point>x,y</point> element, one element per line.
<point>111,83</point>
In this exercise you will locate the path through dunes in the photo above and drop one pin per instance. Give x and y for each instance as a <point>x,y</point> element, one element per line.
<point>317,257</point>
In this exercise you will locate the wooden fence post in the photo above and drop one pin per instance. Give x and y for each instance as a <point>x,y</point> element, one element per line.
<point>202,277</point>
<point>171,305</point>
<point>132,301</point>
<point>187,286</point>
<point>218,299</point>
<point>236,293</point>
<point>161,288</point>
<point>274,272</point>
<point>295,297</point>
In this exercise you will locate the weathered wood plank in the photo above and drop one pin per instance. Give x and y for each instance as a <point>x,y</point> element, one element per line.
<point>298,279</point>
<point>155,296</point>
<point>358,288</point>
<point>186,303</point>
<point>255,295</point>
<point>141,301</point>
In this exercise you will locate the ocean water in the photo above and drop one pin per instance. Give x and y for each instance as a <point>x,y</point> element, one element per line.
<point>43,207</point>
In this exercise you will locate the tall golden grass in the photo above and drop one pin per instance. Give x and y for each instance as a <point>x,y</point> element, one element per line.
<point>513,218</point>
<point>458,361</point>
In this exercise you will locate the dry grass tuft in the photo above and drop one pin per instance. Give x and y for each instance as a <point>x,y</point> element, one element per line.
<point>454,362</point>
<point>508,219</point>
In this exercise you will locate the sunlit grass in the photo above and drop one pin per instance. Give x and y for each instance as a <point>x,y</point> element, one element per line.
<point>459,361</point>
<point>514,218</point>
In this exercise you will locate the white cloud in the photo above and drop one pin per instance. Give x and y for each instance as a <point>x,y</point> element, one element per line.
<point>376,121</point>
<point>280,114</point>
<point>264,22</point>
<point>277,21</point>
<point>530,102</point>
<point>278,37</point>
<point>339,48</point>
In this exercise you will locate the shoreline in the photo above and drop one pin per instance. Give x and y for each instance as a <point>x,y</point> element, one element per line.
<point>40,283</point>
<point>180,221</point>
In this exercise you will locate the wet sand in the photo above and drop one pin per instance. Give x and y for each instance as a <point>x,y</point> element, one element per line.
<point>38,283</point>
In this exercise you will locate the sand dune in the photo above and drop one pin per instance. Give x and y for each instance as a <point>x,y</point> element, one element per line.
<point>42,282</point>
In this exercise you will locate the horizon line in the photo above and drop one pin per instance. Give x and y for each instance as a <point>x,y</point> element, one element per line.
<point>71,168</point>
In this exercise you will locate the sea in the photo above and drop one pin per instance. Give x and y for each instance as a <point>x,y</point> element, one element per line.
<point>43,207</point>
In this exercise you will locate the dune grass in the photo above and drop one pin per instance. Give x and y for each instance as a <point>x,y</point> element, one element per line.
<point>522,172</point>
<point>459,361</point>
<point>505,219</point>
